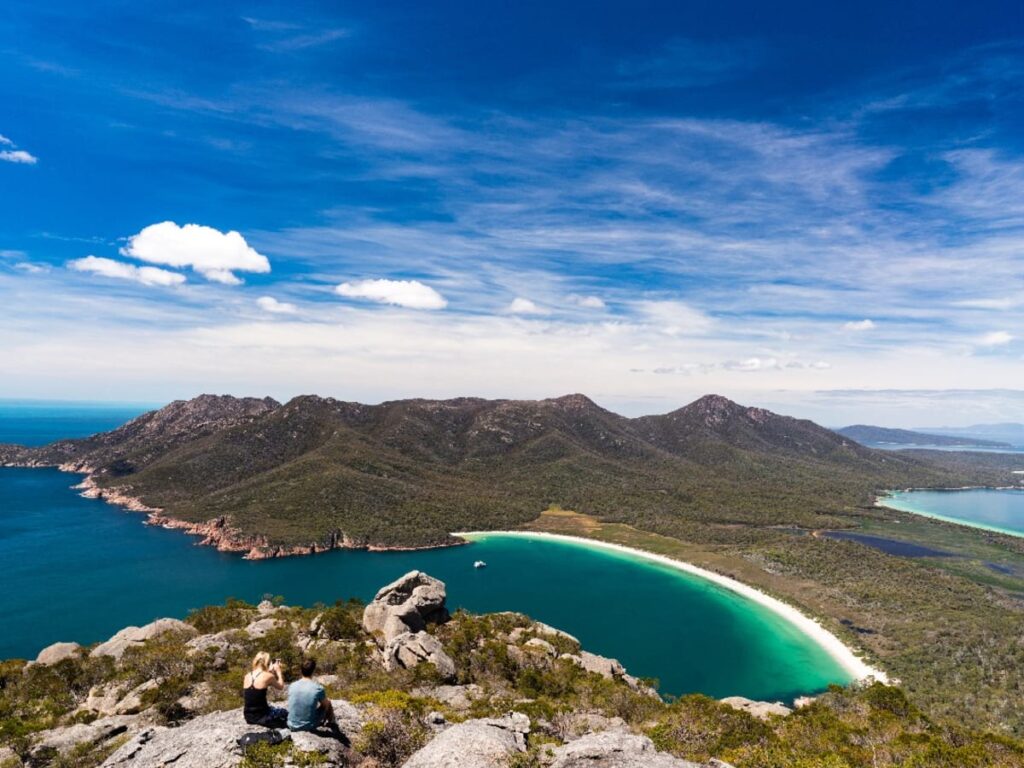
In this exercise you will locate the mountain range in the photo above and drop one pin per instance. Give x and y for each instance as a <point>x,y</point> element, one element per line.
<point>315,473</point>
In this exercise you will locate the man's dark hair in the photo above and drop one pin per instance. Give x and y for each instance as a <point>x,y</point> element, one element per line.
<point>308,667</point>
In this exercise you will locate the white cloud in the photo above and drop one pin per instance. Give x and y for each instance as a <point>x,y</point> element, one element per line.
<point>1003,303</point>
<point>674,317</point>
<point>752,364</point>
<point>214,254</point>
<point>5,141</point>
<point>272,305</point>
<point>98,265</point>
<point>859,325</point>
<point>521,306</point>
<point>403,293</point>
<point>31,268</point>
<point>995,339</point>
<point>18,156</point>
<point>588,302</point>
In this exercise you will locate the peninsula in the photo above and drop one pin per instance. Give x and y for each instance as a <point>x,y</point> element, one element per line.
<point>265,479</point>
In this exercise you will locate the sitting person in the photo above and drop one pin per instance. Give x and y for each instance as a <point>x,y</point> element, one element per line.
<point>257,709</point>
<point>308,705</point>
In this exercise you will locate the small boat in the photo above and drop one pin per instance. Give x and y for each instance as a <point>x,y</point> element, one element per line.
<point>479,564</point>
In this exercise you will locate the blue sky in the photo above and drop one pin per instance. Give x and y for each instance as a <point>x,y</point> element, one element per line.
<point>810,207</point>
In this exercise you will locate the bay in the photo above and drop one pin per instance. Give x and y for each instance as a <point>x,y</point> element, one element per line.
<point>79,569</point>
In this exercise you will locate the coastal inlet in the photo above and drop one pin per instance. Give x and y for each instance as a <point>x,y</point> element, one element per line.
<point>690,634</point>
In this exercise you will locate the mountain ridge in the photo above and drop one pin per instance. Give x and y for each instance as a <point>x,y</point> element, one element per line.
<point>314,473</point>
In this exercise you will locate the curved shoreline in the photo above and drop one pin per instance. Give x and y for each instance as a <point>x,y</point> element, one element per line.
<point>880,502</point>
<point>832,645</point>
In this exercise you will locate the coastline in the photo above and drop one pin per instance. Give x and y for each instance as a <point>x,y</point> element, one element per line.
<point>832,645</point>
<point>880,501</point>
<point>219,534</point>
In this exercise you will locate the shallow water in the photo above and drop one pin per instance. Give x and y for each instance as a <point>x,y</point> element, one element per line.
<point>989,508</point>
<point>80,569</point>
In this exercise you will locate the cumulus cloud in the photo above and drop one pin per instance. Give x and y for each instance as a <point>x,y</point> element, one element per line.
<point>521,306</point>
<point>213,254</point>
<point>403,293</point>
<point>674,317</point>
<point>120,270</point>
<point>272,305</point>
<point>859,325</point>
<point>995,339</point>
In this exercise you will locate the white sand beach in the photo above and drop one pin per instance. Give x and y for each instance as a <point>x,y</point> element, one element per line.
<point>842,653</point>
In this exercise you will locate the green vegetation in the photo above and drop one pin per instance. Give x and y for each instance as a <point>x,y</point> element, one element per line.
<point>407,473</point>
<point>859,727</point>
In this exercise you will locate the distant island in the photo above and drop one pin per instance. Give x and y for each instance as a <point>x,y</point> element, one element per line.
<point>875,436</point>
<point>268,479</point>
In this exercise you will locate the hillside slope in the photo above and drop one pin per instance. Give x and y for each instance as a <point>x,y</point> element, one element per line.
<point>316,473</point>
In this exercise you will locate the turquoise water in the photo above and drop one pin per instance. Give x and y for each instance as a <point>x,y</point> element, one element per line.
<point>993,509</point>
<point>79,569</point>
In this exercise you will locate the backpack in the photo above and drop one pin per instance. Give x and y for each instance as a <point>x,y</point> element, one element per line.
<point>270,737</point>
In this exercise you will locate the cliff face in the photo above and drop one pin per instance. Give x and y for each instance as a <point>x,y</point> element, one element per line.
<point>255,476</point>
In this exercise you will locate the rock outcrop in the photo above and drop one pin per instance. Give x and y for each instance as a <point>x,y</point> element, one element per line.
<point>481,743</point>
<point>759,709</point>
<point>409,649</point>
<point>406,605</point>
<point>134,636</point>
<point>61,741</point>
<point>211,741</point>
<point>57,652</point>
<point>614,749</point>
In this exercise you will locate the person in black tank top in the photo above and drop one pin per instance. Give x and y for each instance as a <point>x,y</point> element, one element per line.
<point>263,676</point>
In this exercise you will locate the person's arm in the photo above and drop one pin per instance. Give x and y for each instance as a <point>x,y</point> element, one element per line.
<point>276,677</point>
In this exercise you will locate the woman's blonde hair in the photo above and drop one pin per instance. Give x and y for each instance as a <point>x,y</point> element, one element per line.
<point>261,661</point>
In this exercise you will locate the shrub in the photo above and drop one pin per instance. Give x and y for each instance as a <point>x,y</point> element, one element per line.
<point>392,739</point>
<point>234,614</point>
<point>343,620</point>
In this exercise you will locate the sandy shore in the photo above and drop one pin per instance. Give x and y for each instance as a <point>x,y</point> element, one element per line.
<point>881,501</point>
<point>843,654</point>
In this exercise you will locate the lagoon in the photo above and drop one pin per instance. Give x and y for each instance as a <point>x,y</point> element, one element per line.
<point>992,509</point>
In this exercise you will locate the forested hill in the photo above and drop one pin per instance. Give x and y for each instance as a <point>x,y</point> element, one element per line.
<point>409,472</point>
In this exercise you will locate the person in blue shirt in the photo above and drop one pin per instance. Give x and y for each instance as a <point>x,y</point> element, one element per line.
<point>308,705</point>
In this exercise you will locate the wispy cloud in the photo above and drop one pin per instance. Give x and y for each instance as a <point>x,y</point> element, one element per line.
<point>15,155</point>
<point>859,325</point>
<point>995,339</point>
<point>120,270</point>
